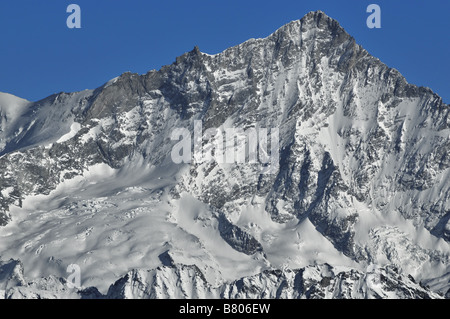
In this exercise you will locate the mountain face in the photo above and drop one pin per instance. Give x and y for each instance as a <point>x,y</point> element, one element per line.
<point>358,205</point>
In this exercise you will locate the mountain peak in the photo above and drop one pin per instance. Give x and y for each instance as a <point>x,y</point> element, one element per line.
<point>11,101</point>
<point>316,29</point>
<point>313,19</point>
<point>315,15</point>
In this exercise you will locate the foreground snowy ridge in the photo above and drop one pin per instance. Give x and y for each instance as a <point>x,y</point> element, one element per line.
<point>188,282</point>
<point>358,208</point>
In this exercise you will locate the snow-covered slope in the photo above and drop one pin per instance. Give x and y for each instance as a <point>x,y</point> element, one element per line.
<point>11,109</point>
<point>11,106</point>
<point>179,281</point>
<point>24,124</point>
<point>361,182</point>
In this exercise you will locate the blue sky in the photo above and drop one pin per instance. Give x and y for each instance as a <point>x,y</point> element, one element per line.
<point>40,56</point>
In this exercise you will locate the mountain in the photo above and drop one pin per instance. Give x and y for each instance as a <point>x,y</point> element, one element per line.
<point>188,282</point>
<point>348,197</point>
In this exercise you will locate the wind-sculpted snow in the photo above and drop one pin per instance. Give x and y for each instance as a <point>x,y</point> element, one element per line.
<point>362,177</point>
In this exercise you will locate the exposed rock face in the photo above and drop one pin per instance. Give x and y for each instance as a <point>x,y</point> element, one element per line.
<point>360,149</point>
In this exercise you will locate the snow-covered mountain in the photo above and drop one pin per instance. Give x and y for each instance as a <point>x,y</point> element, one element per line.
<point>358,206</point>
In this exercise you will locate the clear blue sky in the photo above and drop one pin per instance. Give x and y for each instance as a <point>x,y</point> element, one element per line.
<point>40,56</point>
